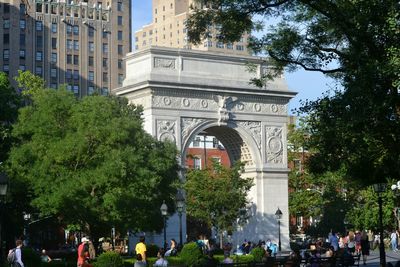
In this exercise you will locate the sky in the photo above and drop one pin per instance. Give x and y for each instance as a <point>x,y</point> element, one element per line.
<point>308,85</point>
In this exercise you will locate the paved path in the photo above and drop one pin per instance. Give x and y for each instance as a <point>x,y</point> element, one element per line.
<point>373,258</point>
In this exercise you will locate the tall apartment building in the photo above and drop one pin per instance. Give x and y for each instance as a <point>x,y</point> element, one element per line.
<point>79,43</point>
<point>168,29</point>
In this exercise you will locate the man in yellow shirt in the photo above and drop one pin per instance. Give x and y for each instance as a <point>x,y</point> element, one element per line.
<point>141,248</point>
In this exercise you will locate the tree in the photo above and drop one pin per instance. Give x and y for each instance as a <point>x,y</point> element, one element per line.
<point>356,42</point>
<point>217,195</point>
<point>89,162</point>
<point>9,104</point>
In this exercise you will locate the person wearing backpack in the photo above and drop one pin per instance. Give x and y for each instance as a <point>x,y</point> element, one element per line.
<point>15,255</point>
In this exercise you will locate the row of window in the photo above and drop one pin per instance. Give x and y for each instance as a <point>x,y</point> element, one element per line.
<point>171,6</point>
<point>222,45</point>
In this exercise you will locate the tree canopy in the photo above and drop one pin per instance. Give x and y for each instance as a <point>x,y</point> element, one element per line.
<point>9,104</point>
<point>356,42</point>
<point>89,161</point>
<point>218,195</point>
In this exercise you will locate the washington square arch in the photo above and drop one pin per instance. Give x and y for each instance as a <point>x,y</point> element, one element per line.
<point>186,92</point>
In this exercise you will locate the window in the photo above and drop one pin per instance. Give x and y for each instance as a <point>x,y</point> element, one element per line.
<point>220,45</point>
<point>76,60</point>
<point>119,6</point>
<point>54,43</point>
<point>104,34</point>
<point>119,35</point>
<point>196,141</point>
<point>208,44</point>
<point>6,38</point>
<point>105,48</point>
<point>53,73</point>
<point>91,61</point>
<point>22,67</point>
<point>76,45</point>
<point>91,31</point>
<point>76,29</point>
<point>76,89</point>
<point>22,24</point>
<point>69,59</point>
<point>53,58</point>
<point>229,46</point>
<point>22,54</point>
<point>104,91</point>
<point>215,142</point>
<point>69,87</point>
<point>22,39</point>
<point>119,20</point>
<point>91,76</point>
<point>76,74</point>
<point>6,54</point>
<point>68,75</point>
<point>53,85</point>
<point>54,27</point>
<point>39,56</point>
<point>69,29</point>
<point>120,79</point>
<point>136,39</point>
<point>240,47</point>
<point>91,47</point>
<point>39,26</point>
<point>119,49</point>
<point>90,90</point>
<point>69,44</point>
<point>6,8</point>
<point>105,77</point>
<point>39,7</point>
<point>6,24</point>
<point>39,41</point>
<point>105,62</point>
<point>216,160</point>
<point>6,68</point>
<point>38,71</point>
<point>144,34</point>
<point>197,163</point>
<point>155,11</point>
<point>119,63</point>
<point>22,9</point>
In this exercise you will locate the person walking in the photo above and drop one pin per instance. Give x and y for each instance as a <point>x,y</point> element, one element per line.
<point>364,247</point>
<point>18,254</point>
<point>141,248</point>
<point>393,240</point>
<point>83,253</point>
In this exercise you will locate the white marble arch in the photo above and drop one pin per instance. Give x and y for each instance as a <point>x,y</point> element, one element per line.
<point>186,92</point>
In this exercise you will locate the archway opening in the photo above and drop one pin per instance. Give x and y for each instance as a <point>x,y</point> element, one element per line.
<point>222,144</point>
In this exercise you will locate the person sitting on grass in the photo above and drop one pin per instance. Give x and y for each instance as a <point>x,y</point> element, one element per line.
<point>139,261</point>
<point>161,261</point>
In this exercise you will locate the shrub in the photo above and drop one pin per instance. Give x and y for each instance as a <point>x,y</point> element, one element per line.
<point>258,253</point>
<point>152,250</point>
<point>30,257</point>
<point>109,259</point>
<point>191,254</point>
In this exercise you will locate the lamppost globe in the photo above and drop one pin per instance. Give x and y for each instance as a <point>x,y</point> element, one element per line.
<point>164,212</point>
<point>278,214</point>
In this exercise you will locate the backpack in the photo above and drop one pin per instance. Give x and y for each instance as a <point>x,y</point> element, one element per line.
<point>12,256</point>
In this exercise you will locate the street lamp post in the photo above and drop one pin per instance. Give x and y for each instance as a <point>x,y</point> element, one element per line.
<point>379,189</point>
<point>164,212</point>
<point>278,215</point>
<point>3,193</point>
<point>180,206</point>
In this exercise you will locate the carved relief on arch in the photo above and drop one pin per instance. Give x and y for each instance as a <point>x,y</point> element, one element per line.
<point>254,129</point>
<point>274,145</point>
<point>166,130</point>
<point>187,127</point>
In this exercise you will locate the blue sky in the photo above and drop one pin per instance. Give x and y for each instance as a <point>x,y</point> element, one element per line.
<point>308,85</point>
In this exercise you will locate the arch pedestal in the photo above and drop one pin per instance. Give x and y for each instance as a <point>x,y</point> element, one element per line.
<point>184,92</point>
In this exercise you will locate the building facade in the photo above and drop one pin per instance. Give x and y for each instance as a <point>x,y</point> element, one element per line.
<point>78,43</point>
<point>168,29</point>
